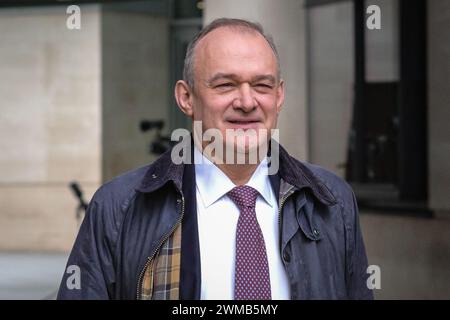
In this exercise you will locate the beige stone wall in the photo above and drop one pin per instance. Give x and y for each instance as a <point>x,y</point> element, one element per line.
<point>330,82</point>
<point>49,124</point>
<point>285,21</point>
<point>439,104</point>
<point>72,103</point>
<point>331,68</point>
<point>135,86</point>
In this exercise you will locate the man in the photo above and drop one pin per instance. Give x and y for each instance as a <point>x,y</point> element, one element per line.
<point>220,228</point>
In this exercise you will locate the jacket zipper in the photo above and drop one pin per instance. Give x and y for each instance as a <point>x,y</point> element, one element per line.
<point>283,200</point>
<point>150,258</point>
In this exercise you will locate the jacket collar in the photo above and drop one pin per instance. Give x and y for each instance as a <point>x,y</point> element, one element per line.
<point>292,171</point>
<point>300,176</point>
<point>161,172</point>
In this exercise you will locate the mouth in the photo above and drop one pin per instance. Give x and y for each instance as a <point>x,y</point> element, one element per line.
<point>243,123</point>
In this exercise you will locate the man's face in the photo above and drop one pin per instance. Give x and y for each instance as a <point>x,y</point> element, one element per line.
<point>236,82</point>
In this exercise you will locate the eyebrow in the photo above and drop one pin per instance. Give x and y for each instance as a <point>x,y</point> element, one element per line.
<point>233,76</point>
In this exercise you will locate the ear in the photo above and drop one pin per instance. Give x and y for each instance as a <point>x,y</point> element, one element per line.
<point>280,95</point>
<point>184,95</point>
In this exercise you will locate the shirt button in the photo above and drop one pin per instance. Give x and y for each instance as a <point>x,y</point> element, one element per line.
<point>286,257</point>
<point>154,176</point>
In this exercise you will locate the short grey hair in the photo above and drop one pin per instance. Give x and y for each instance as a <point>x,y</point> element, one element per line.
<point>188,70</point>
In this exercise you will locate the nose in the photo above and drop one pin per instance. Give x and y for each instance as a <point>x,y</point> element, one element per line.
<point>245,100</point>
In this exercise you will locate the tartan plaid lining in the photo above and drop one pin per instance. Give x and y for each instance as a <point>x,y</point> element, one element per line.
<point>161,279</point>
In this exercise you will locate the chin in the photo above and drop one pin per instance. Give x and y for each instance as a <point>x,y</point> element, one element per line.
<point>248,150</point>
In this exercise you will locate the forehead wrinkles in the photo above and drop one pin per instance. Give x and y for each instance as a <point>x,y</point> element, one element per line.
<point>211,46</point>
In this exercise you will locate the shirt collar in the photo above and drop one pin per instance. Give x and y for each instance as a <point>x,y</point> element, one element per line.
<point>213,183</point>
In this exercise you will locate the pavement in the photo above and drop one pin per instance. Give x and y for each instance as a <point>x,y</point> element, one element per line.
<point>30,276</point>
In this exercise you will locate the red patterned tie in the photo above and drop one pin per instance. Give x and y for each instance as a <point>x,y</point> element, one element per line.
<point>252,278</point>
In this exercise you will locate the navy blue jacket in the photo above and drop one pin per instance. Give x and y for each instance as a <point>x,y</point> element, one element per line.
<point>321,243</point>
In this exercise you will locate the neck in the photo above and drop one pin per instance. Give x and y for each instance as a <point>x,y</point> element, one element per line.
<point>239,174</point>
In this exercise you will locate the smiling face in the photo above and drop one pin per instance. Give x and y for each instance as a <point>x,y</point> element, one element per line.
<point>236,83</point>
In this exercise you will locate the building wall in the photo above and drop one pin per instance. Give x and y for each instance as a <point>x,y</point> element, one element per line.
<point>331,73</point>
<point>382,45</point>
<point>285,21</point>
<point>135,86</point>
<point>49,125</point>
<point>439,104</point>
<point>330,83</point>
<point>73,101</point>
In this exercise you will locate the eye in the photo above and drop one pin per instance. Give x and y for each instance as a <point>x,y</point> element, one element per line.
<point>224,85</point>
<point>263,86</point>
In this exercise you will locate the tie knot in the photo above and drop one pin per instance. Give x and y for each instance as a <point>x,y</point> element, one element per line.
<point>243,196</point>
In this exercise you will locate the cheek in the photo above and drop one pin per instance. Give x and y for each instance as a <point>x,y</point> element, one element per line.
<point>268,105</point>
<point>210,110</point>
<point>220,102</point>
<point>215,107</point>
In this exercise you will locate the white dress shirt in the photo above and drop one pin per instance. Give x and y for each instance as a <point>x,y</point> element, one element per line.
<point>217,220</point>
